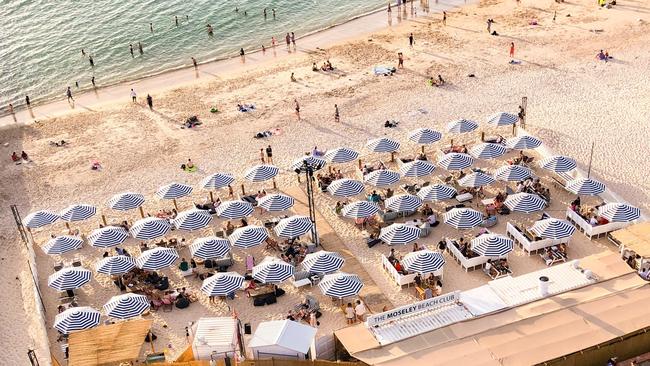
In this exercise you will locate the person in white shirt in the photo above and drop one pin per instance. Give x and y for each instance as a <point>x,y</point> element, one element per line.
<point>349,314</point>
<point>360,310</point>
<point>593,221</point>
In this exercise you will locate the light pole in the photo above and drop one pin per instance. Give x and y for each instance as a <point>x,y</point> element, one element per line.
<point>309,169</point>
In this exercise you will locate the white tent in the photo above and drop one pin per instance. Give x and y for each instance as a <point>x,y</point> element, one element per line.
<point>216,336</point>
<point>282,339</point>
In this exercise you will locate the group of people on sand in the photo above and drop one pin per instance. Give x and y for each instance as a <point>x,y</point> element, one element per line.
<point>18,159</point>
<point>327,66</point>
<point>356,313</point>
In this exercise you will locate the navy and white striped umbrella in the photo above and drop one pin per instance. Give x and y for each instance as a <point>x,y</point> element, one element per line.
<point>217,180</point>
<point>323,262</point>
<point>107,236</point>
<point>585,186</point>
<point>293,227</point>
<point>399,234</point>
<point>525,202</point>
<point>503,119</point>
<point>417,168</point>
<point>248,236</point>
<point>423,261</point>
<point>222,283</point>
<point>341,155</point>
<point>276,202</point>
<point>382,145</point>
<point>345,187</point>
<point>340,285</point>
<point>126,201</point>
<point>403,203</point>
<point>192,219</point>
<point>382,178</point>
<point>314,162</point>
<point>512,173</point>
<point>173,190</point>
<point>210,247</point>
<point>492,245</point>
<point>524,142</point>
<point>487,150</point>
<point>558,164</point>
<point>69,278</point>
<point>456,161</point>
<point>476,179</point>
<point>76,318</point>
<point>463,218</point>
<point>40,218</point>
<point>619,212</point>
<point>156,258</point>
<point>261,173</point>
<point>126,306</point>
<point>424,136</point>
<point>78,212</point>
<point>62,244</point>
<point>553,228</point>
<point>150,228</point>
<point>359,209</point>
<point>461,126</point>
<point>234,210</point>
<point>272,270</point>
<point>437,192</point>
<point>115,265</point>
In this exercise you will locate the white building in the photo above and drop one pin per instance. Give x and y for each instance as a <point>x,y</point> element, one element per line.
<point>282,339</point>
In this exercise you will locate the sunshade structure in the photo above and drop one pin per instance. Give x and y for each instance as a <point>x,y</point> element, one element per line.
<point>341,155</point>
<point>293,226</point>
<point>417,168</point>
<point>126,201</point>
<point>359,209</point>
<point>461,126</point>
<point>502,119</point>
<point>156,258</point>
<point>76,318</point>
<point>115,265</point>
<point>78,212</point>
<point>69,278</point>
<point>397,234</point>
<point>382,178</point>
<point>40,218</point>
<point>345,187</point>
<point>524,142</point>
<point>276,202</point>
<point>62,244</point>
<point>455,161</point>
<point>192,219</point>
<point>553,228</point>
<point>437,192</point>
<point>340,285</point>
<point>477,179</point>
<point>261,173</point>
<point>382,145</point>
<point>222,283</point>
<point>150,228</point>
<point>424,136</point>
<point>619,212</point>
<point>108,236</point>
<point>463,218</point>
<point>126,306</point>
<point>525,202</point>
<point>272,270</point>
<point>423,261</point>
<point>585,187</point>
<point>492,245</point>
<point>403,203</point>
<point>173,191</point>
<point>487,150</point>
<point>233,210</point>
<point>248,236</point>
<point>217,181</point>
<point>209,247</point>
<point>323,262</point>
<point>314,162</point>
<point>512,173</point>
<point>558,164</point>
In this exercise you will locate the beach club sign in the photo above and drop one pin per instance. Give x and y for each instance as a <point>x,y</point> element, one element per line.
<point>418,307</point>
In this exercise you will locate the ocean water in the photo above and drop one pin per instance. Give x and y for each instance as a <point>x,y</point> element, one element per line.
<point>41,40</point>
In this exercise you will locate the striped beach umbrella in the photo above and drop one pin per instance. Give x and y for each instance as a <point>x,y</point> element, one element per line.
<point>248,236</point>
<point>272,270</point>
<point>359,209</point>
<point>156,258</point>
<point>525,202</point>
<point>222,283</point>
<point>293,226</point>
<point>276,202</point>
<point>173,191</point>
<point>210,247</point>
<point>345,187</point>
<point>382,145</point>
<point>424,136</point>
<point>341,155</point>
<point>456,161</point>
<point>524,142</point>
<point>461,126</point>
<point>217,180</point>
<point>69,278</point>
<point>396,234</point>
<point>463,218</point>
<point>437,192</point>
<point>553,228</point>
<point>314,162</point>
<point>107,236</point>
<point>558,164</point>
<point>323,262</point>
<point>503,119</point>
<point>150,228</point>
<point>340,285</point>
<point>115,265</point>
<point>487,150</point>
<point>192,219</point>
<point>126,306</point>
<point>417,168</point>
<point>76,318</point>
<point>476,179</point>
<point>619,212</point>
<point>62,244</point>
<point>382,178</point>
<point>126,201</point>
<point>423,261</point>
<point>492,245</point>
<point>261,173</point>
<point>78,212</point>
<point>40,218</point>
<point>585,186</point>
<point>234,210</point>
<point>403,203</point>
<point>512,173</point>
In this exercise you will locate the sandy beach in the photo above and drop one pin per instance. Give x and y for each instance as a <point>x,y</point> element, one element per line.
<point>574,100</point>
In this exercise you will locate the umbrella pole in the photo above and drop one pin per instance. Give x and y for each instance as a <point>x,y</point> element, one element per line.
<point>422,149</point>
<point>175,204</point>
<point>243,191</point>
<point>360,164</point>
<point>67,225</point>
<point>104,220</point>
<point>151,341</point>
<point>392,157</point>
<point>211,197</point>
<point>141,211</point>
<point>275,185</point>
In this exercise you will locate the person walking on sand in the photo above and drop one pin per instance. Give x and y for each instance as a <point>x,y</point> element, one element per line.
<point>337,116</point>
<point>512,49</point>
<point>293,39</point>
<point>11,108</point>
<point>297,108</point>
<point>131,49</point>
<point>273,42</point>
<point>400,60</point>
<point>194,63</point>
<point>140,48</point>
<point>134,97</point>
<point>411,40</point>
<point>241,53</point>
<point>150,102</point>
<point>68,93</point>
<point>444,18</point>
<point>92,80</point>
<point>288,39</point>
<point>389,9</point>
<point>269,155</point>
<point>27,101</point>
<point>489,26</point>
<point>262,156</point>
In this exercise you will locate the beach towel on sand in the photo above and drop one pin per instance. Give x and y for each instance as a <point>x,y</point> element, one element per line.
<point>384,70</point>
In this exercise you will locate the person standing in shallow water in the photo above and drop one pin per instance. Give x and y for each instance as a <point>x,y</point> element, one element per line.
<point>27,101</point>
<point>91,61</point>
<point>151,27</point>
<point>150,101</point>
<point>68,93</point>
<point>140,48</point>
<point>131,49</point>
<point>176,20</point>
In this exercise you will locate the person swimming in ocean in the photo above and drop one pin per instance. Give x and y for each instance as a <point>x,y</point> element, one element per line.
<point>210,30</point>
<point>91,61</point>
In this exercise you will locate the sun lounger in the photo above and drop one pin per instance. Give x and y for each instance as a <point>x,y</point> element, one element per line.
<point>464,197</point>
<point>384,70</point>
